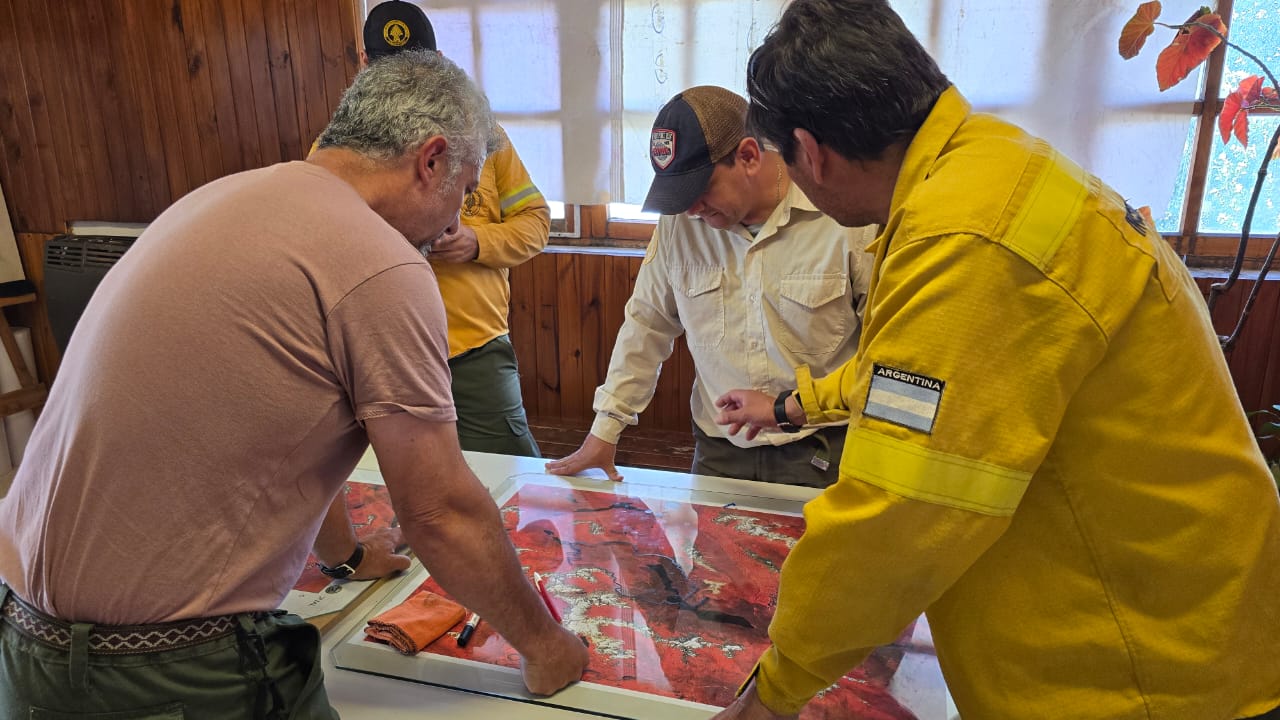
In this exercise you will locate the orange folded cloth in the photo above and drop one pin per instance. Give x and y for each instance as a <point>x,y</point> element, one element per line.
<point>417,622</point>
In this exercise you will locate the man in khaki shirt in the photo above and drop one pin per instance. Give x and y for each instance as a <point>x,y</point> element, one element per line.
<point>757,279</point>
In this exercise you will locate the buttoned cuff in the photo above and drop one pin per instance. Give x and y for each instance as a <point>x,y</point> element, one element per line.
<point>607,428</point>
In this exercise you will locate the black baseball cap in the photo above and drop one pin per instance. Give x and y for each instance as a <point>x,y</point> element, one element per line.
<point>695,130</point>
<point>395,26</point>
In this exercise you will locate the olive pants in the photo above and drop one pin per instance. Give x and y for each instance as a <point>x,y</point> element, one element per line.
<point>790,464</point>
<point>486,392</point>
<point>269,669</point>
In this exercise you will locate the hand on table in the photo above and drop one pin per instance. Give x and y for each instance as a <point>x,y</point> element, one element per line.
<point>380,556</point>
<point>594,453</point>
<point>561,659</point>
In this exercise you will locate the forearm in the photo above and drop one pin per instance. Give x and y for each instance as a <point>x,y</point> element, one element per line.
<point>464,547</point>
<point>909,553</point>
<point>336,539</point>
<point>454,527</point>
<point>514,240</point>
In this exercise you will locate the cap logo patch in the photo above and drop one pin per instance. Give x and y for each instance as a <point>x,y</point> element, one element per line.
<point>662,147</point>
<point>903,398</point>
<point>396,33</point>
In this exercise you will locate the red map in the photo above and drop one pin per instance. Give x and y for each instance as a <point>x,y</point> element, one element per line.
<point>673,598</point>
<point>369,507</point>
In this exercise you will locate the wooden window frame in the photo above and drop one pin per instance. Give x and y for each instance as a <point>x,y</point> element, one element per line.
<point>1201,251</point>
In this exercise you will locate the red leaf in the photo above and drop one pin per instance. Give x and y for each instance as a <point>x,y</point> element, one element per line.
<point>1135,32</point>
<point>1189,48</point>
<point>1234,117</point>
<point>1146,215</point>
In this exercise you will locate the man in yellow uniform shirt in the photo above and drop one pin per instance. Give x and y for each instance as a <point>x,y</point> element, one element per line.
<point>1045,449</point>
<point>505,222</point>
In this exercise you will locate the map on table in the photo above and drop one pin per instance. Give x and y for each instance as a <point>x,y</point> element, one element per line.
<point>673,593</point>
<point>369,508</point>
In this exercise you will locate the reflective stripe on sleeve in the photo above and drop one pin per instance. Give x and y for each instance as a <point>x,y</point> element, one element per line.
<point>519,198</point>
<point>922,474</point>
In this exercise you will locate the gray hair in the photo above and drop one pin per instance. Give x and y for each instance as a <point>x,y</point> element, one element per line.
<point>397,103</point>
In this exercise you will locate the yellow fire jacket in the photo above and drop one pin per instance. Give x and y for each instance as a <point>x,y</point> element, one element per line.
<point>1045,452</point>
<point>511,221</point>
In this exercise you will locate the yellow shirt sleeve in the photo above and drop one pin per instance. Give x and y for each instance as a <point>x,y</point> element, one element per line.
<point>523,223</point>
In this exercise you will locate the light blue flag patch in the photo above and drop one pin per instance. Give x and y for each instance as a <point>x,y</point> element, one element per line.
<point>903,398</point>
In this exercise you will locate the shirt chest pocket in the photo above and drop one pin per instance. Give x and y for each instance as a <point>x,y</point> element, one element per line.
<point>700,301</point>
<point>815,312</point>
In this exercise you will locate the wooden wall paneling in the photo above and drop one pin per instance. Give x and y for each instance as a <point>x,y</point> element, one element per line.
<point>1253,347</point>
<point>283,90</point>
<point>49,124</point>
<point>352,37</point>
<point>309,70</point>
<point>236,130</point>
<point>242,79</point>
<point>67,110</point>
<point>332,53</point>
<point>149,168</point>
<point>26,186</point>
<point>1225,315</point>
<point>522,323</point>
<point>152,83</point>
<point>264,101</point>
<point>1270,394</point>
<point>173,75</point>
<point>102,73</point>
<point>546,340</point>
<point>568,310</point>
<point>592,275</point>
<point>618,285</point>
<point>87,96</point>
<point>195,47</point>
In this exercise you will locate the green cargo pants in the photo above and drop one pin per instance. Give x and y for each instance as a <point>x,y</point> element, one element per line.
<point>268,669</point>
<point>486,392</point>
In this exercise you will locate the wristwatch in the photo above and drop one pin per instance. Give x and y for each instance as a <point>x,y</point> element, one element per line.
<point>347,568</point>
<point>780,413</point>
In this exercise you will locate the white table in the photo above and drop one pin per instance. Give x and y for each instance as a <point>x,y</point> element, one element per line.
<point>359,696</point>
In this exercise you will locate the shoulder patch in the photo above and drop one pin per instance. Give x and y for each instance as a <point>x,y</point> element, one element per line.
<point>651,250</point>
<point>903,398</point>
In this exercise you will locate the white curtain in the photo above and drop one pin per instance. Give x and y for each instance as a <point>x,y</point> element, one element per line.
<point>578,82</point>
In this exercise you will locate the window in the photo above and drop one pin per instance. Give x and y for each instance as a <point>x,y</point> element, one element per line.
<point>1231,168</point>
<point>589,75</point>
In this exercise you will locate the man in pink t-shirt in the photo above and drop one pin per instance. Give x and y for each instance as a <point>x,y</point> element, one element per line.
<point>222,383</point>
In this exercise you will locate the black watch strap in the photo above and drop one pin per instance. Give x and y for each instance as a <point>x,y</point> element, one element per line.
<point>347,568</point>
<point>780,413</point>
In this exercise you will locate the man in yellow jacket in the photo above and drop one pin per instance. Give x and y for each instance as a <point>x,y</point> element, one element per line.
<point>505,222</point>
<point>1045,452</point>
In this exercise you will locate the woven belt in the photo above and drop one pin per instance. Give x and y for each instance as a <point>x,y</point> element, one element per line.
<point>117,639</point>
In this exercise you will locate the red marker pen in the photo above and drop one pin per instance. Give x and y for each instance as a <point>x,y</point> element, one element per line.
<point>542,590</point>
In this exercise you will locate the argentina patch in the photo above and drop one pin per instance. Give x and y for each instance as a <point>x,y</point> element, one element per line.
<point>903,398</point>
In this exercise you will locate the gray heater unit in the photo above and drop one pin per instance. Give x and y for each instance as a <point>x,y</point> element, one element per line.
<point>73,267</point>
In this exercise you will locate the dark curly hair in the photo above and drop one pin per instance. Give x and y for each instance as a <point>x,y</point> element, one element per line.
<point>847,71</point>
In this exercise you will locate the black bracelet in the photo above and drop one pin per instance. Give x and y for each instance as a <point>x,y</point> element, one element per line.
<point>780,413</point>
<point>345,569</point>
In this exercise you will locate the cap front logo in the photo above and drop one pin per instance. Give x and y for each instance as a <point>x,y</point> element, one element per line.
<point>662,147</point>
<point>396,33</point>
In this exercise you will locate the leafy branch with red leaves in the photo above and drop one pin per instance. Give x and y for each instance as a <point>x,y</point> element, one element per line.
<point>1194,40</point>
